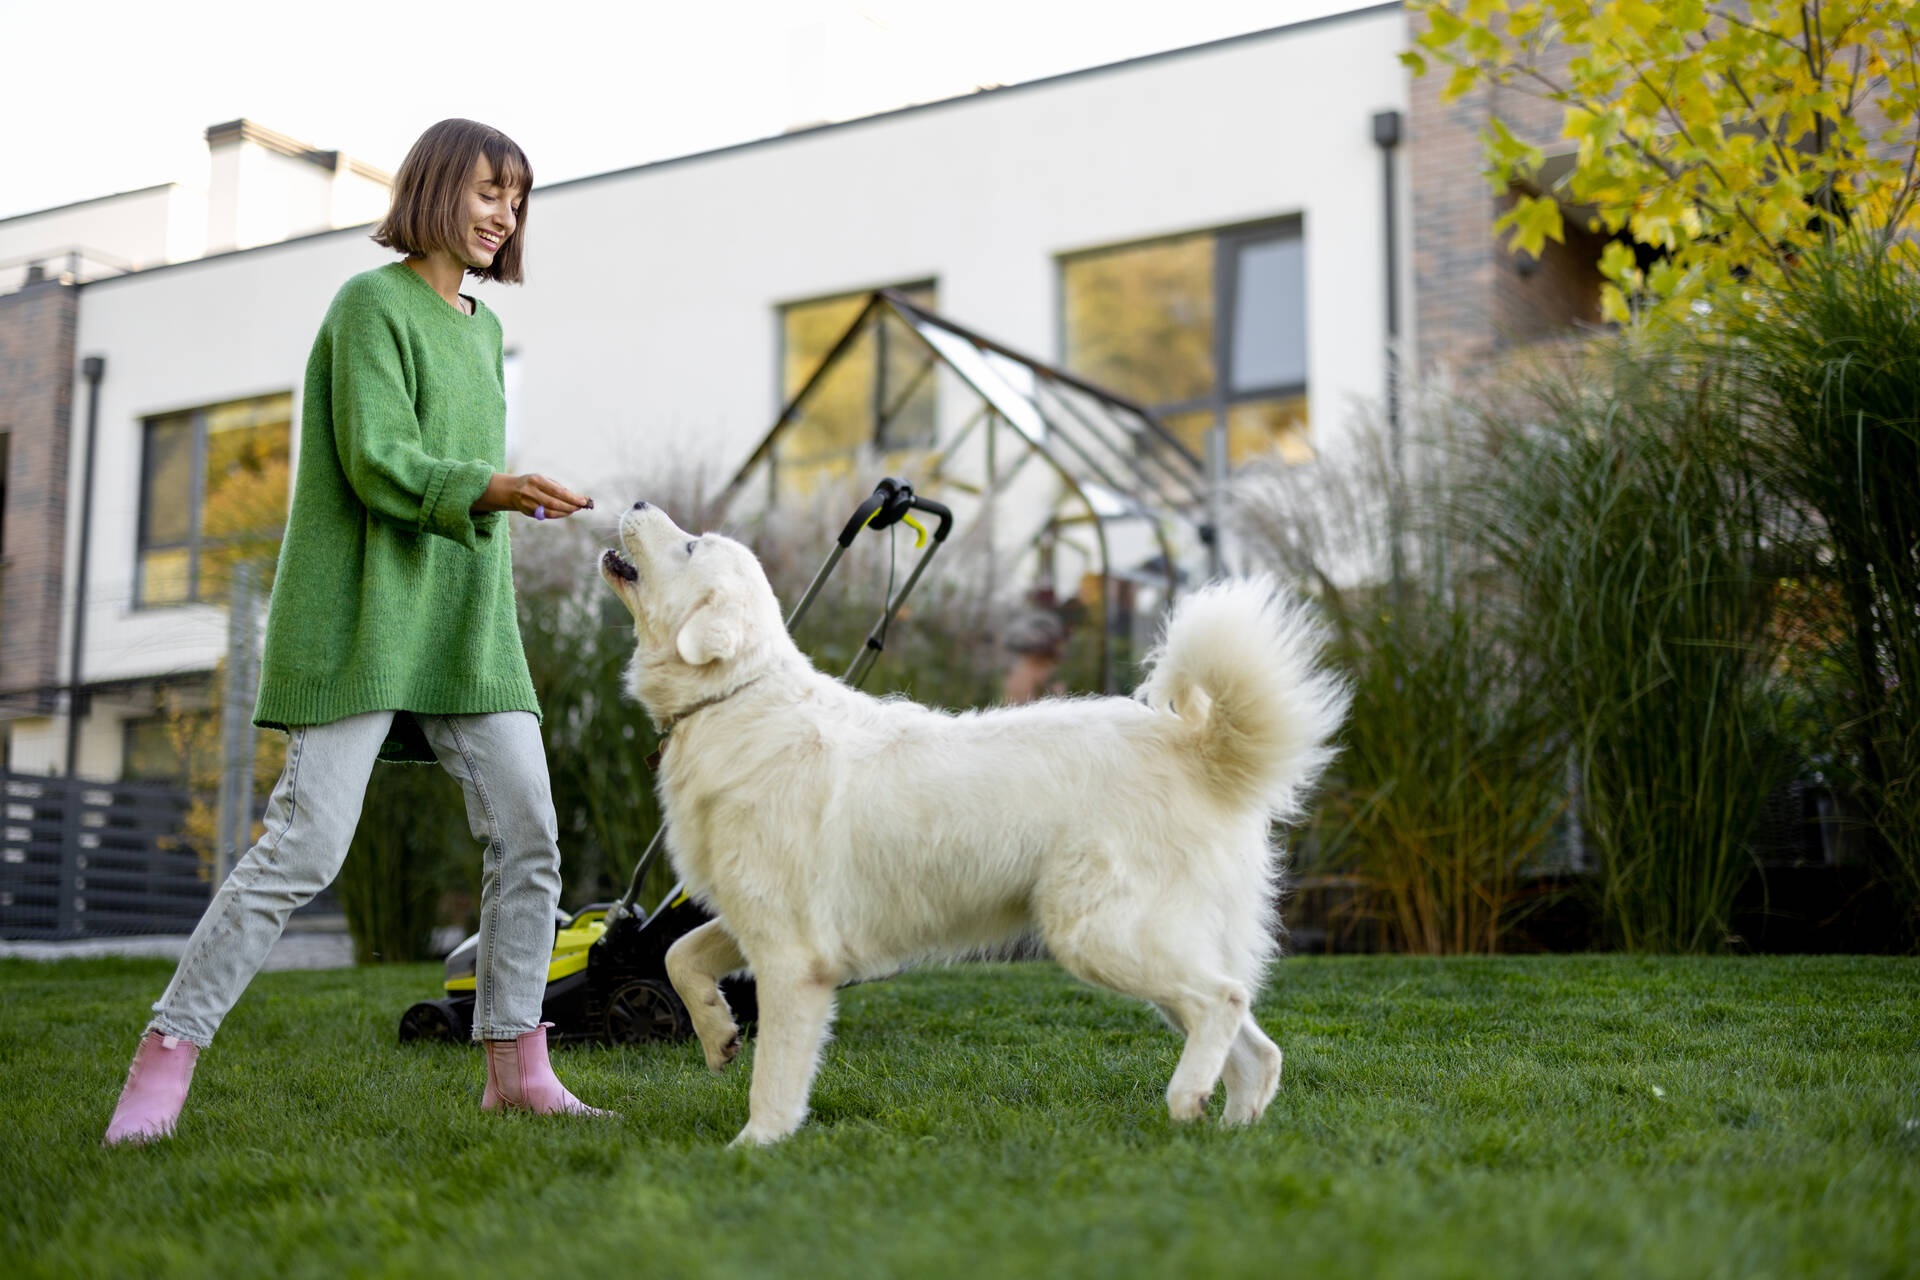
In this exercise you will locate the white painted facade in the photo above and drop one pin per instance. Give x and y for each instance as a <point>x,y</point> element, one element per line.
<point>648,330</point>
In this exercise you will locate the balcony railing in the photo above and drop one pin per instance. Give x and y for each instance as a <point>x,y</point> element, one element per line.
<point>75,264</point>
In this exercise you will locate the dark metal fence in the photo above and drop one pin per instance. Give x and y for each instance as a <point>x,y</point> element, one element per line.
<point>89,859</point>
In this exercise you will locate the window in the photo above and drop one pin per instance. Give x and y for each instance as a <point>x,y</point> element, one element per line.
<point>879,395</point>
<point>172,747</point>
<point>1201,327</point>
<point>213,492</point>
<point>510,389</point>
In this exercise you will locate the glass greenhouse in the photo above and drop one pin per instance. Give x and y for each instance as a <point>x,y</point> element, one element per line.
<point>1058,487</point>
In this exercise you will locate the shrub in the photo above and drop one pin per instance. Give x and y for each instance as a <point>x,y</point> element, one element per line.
<point>1450,774</point>
<point>1614,493</point>
<point>1827,367</point>
<point>1451,779</point>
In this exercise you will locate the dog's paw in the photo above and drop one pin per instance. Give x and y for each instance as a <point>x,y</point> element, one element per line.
<point>1239,1112</point>
<point>1186,1107</point>
<point>752,1137</point>
<point>717,1060</point>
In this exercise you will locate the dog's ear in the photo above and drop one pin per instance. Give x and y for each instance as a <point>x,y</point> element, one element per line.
<point>711,633</point>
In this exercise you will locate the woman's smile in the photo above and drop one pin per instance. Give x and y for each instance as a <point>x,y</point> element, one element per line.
<point>494,210</point>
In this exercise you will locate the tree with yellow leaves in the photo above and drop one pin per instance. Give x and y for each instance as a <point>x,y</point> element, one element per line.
<point>1730,138</point>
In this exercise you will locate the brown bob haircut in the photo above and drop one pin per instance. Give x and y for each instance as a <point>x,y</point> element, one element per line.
<point>429,208</point>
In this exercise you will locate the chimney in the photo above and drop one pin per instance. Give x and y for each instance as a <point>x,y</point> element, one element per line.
<point>264,186</point>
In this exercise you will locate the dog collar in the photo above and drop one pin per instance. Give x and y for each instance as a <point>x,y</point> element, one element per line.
<point>667,726</point>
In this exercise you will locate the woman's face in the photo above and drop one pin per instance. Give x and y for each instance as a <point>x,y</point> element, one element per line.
<point>492,212</point>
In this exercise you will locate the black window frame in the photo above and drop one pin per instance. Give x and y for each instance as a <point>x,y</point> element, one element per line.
<point>881,418</point>
<point>1229,242</point>
<point>197,490</point>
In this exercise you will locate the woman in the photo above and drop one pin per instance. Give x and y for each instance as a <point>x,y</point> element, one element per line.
<point>391,633</point>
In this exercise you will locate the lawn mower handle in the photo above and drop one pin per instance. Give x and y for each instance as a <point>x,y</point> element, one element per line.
<point>888,503</point>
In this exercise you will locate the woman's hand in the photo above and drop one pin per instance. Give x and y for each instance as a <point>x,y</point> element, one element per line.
<point>530,495</point>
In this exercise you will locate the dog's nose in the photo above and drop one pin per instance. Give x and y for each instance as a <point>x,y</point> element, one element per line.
<point>640,506</point>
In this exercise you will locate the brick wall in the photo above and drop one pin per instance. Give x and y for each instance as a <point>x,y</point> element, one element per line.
<point>36,410</point>
<point>1471,297</point>
<point>1452,214</point>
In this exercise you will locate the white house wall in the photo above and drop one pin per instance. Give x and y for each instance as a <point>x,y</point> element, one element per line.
<point>258,196</point>
<point>647,329</point>
<point>646,323</point>
<point>39,744</point>
<point>219,329</point>
<point>353,198</point>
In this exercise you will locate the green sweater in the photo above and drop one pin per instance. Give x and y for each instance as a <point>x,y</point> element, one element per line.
<point>389,595</point>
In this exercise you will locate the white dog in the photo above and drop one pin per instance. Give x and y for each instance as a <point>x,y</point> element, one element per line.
<point>838,837</point>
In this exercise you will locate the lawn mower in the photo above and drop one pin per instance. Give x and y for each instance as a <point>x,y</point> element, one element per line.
<point>607,981</point>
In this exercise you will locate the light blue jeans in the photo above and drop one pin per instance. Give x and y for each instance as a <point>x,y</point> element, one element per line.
<point>502,765</point>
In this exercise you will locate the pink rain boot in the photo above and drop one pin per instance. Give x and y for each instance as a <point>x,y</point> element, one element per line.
<point>156,1089</point>
<point>519,1078</point>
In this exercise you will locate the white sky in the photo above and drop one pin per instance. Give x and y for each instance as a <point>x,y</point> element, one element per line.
<point>101,96</point>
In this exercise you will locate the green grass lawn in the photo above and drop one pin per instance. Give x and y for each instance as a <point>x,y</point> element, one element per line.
<point>1580,1115</point>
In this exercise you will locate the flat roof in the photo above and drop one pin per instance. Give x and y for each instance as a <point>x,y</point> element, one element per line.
<point>75,204</point>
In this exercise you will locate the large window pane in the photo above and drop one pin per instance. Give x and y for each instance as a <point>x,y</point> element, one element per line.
<point>193,536</point>
<point>1254,429</point>
<point>167,494</point>
<point>1147,321</point>
<point>880,392</point>
<point>165,576</point>
<point>511,380</point>
<point>808,331</point>
<point>246,489</point>
<point>1139,320</point>
<point>837,415</point>
<point>171,748</point>
<point>151,753</point>
<point>1269,315</point>
<point>905,397</point>
<point>220,560</point>
<point>1257,426</point>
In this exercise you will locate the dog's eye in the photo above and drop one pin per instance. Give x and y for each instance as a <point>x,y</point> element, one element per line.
<point>691,545</point>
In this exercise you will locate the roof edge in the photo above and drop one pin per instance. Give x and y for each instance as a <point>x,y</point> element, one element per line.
<point>231,132</point>
<point>1246,37</point>
<point>75,204</point>
<point>808,131</point>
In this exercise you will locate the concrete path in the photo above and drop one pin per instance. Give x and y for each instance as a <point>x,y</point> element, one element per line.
<point>313,942</point>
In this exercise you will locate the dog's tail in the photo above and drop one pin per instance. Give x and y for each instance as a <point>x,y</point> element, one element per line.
<point>1239,663</point>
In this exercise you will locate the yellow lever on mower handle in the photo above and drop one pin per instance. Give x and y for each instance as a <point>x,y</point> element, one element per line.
<point>919,530</point>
